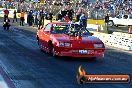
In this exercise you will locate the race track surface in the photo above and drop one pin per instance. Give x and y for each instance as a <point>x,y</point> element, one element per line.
<point>27,67</point>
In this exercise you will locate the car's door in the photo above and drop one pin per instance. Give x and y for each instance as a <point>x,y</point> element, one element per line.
<point>46,35</point>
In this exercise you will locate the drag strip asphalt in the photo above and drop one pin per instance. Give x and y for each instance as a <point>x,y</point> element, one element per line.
<point>28,67</point>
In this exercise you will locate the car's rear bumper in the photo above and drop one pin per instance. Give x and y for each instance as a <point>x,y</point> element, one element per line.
<point>69,52</point>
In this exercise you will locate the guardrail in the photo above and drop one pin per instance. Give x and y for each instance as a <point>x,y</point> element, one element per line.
<point>117,39</point>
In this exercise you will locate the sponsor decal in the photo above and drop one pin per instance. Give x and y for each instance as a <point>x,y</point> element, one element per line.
<point>83,78</point>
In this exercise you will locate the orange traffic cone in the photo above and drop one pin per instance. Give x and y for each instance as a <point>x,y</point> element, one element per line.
<point>98,29</point>
<point>130,30</point>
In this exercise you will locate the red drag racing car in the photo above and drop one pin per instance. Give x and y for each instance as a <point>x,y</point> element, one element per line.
<point>65,39</point>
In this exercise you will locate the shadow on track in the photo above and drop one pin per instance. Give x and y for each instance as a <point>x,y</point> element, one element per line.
<point>80,59</point>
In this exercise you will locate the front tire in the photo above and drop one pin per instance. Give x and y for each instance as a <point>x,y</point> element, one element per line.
<point>52,50</point>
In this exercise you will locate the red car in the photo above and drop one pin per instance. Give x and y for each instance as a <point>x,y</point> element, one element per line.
<point>65,39</point>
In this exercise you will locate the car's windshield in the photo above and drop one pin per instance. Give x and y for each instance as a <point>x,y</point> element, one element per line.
<point>69,29</point>
<point>59,29</point>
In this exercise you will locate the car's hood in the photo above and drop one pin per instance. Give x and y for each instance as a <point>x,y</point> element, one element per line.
<point>66,38</point>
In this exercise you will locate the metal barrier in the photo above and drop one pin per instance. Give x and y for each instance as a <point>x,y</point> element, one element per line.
<point>116,40</point>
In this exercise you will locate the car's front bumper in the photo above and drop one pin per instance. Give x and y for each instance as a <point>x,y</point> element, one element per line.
<point>75,52</point>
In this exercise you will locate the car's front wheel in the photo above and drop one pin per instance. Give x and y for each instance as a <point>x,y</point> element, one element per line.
<point>52,50</point>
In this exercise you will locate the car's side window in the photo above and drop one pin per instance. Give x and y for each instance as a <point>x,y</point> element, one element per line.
<point>47,28</point>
